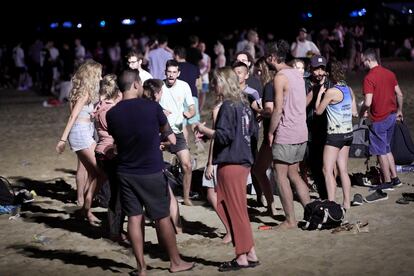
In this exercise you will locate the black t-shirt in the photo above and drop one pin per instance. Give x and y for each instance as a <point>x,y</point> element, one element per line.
<point>316,123</point>
<point>268,96</point>
<point>135,126</point>
<point>255,83</point>
<point>189,74</point>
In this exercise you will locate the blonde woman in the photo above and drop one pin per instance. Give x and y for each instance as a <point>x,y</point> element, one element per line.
<point>105,153</point>
<point>232,153</point>
<point>79,131</point>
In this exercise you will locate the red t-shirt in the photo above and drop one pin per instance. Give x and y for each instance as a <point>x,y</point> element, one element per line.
<point>381,82</point>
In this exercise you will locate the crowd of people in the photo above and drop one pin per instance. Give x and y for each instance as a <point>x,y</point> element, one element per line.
<point>303,105</point>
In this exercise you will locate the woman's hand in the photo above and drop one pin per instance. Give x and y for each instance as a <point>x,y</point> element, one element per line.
<point>209,172</point>
<point>60,147</point>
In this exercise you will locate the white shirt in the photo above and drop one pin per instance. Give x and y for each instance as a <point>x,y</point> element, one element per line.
<point>303,49</point>
<point>173,100</point>
<point>144,75</point>
<point>18,56</point>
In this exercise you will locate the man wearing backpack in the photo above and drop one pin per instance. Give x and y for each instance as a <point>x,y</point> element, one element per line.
<point>384,98</point>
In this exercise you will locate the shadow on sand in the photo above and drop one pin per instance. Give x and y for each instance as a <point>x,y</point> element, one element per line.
<point>56,188</point>
<point>70,257</point>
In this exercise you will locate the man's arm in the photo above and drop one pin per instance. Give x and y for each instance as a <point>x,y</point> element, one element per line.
<point>365,106</point>
<point>190,112</point>
<point>167,132</point>
<point>399,95</point>
<point>279,84</point>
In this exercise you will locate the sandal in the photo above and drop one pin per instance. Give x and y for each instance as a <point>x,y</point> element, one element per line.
<point>232,265</point>
<point>346,227</point>
<point>362,227</point>
<point>402,200</point>
<point>254,263</point>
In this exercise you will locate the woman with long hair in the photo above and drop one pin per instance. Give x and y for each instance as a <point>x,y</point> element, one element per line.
<point>263,158</point>
<point>339,102</point>
<point>79,131</point>
<point>232,153</point>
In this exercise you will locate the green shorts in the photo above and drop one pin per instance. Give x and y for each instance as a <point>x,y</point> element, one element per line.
<point>289,153</point>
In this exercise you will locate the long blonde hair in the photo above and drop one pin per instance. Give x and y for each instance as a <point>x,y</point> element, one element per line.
<point>86,82</point>
<point>109,88</point>
<point>228,83</point>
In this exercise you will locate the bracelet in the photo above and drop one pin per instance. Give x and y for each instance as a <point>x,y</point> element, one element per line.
<point>62,140</point>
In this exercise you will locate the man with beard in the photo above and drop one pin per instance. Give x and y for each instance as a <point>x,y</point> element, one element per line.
<point>176,95</point>
<point>317,81</point>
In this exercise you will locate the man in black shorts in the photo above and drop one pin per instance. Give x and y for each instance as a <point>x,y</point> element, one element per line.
<point>135,125</point>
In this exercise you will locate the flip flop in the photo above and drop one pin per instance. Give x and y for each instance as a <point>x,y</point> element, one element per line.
<point>232,265</point>
<point>402,200</point>
<point>254,263</point>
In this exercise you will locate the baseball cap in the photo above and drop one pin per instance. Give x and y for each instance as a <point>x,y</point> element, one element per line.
<point>303,30</point>
<point>317,61</point>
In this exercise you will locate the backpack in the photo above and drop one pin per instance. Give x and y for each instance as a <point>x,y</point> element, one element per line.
<point>360,142</point>
<point>6,192</point>
<point>402,146</point>
<point>322,214</point>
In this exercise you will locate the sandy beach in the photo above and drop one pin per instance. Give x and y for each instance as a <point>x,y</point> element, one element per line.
<point>48,239</point>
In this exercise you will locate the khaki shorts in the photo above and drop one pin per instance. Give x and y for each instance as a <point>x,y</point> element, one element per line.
<point>289,153</point>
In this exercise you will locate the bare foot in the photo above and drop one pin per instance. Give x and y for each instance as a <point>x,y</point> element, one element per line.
<point>226,239</point>
<point>93,220</point>
<point>182,266</point>
<point>285,226</point>
<point>143,272</point>
<point>188,202</point>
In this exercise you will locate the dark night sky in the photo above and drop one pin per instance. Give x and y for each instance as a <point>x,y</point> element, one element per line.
<point>281,17</point>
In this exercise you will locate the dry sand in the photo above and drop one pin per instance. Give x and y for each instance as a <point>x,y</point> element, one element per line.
<point>29,133</point>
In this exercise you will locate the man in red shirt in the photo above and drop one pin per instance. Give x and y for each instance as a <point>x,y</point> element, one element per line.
<point>384,98</point>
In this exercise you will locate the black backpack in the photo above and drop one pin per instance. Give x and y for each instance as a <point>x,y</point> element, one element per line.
<point>6,192</point>
<point>322,214</point>
<point>402,146</point>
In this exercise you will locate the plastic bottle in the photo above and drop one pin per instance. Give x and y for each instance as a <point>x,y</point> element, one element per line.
<point>404,168</point>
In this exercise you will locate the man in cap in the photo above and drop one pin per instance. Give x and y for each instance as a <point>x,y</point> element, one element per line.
<point>318,80</point>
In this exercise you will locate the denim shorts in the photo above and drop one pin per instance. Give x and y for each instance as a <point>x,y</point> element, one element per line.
<point>81,136</point>
<point>380,134</point>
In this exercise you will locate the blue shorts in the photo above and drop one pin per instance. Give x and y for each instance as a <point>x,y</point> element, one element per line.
<point>81,136</point>
<point>196,117</point>
<point>380,134</point>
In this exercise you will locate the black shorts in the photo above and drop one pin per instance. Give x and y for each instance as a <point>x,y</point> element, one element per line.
<point>149,191</point>
<point>181,144</point>
<point>339,140</point>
